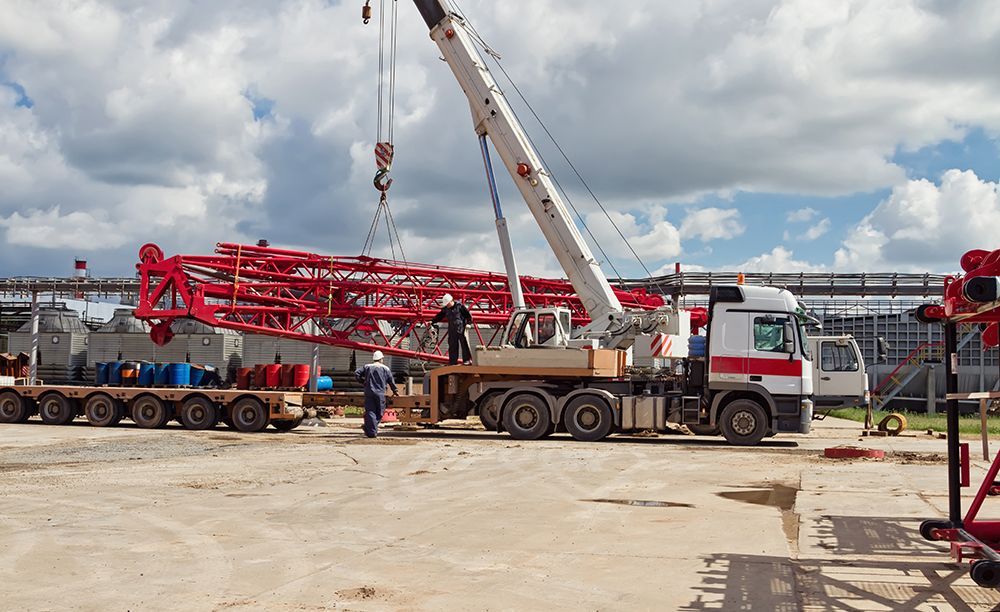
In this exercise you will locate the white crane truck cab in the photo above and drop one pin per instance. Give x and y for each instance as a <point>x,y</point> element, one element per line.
<point>759,362</point>
<point>839,377</point>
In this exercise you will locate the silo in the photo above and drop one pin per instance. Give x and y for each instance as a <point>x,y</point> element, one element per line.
<point>62,345</point>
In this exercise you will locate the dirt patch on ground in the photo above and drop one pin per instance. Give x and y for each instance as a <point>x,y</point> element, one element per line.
<point>909,457</point>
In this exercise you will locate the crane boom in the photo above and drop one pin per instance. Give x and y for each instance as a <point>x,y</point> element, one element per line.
<point>493,116</point>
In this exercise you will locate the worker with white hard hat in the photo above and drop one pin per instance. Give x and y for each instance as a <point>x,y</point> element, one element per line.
<point>458,316</point>
<point>376,377</point>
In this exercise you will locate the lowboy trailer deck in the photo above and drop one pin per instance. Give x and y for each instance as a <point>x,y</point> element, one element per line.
<point>152,407</point>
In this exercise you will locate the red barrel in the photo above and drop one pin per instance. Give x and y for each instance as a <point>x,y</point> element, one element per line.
<point>260,376</point>
<point>272,375</point>
<point>244,378</point>
<point>300,376</point>
<point>287,374</point>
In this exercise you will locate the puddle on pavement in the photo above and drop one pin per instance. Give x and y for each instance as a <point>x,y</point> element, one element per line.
<point>778,496</point>
<point>641,502</point>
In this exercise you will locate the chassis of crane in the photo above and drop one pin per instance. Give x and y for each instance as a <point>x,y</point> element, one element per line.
<point>151,407</point>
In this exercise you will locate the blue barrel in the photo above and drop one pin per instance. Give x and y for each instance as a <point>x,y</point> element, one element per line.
<point>697,346</point>
<point>324,383</point>
<point>179,374</point>
<point>101,373</point>
<point>115,373</point>
<point>147,374</point>
<point>197,375</point>
<point>160,374</point>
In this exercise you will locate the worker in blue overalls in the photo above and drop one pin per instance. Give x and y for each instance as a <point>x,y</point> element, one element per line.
<point>376,377</point>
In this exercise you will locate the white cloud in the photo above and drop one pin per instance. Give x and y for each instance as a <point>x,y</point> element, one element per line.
<point>923,226</point>
<point>53,230</point>
<point>712,224</point>
<point>779,259</point>
<point>802,215</point>
<point>817,231</point>
<point>653,241</point>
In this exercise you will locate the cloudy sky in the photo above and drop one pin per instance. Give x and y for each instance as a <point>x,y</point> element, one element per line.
<point>779,135</point>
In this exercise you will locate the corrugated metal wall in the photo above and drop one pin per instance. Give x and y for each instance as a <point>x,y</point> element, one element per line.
<point>62,345</point>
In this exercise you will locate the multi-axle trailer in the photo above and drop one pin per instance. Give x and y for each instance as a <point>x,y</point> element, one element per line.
<point>152,407</point>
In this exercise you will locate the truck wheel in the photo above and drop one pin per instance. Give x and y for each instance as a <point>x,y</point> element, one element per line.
<point>13,408</point>
<point>56,409</point>
<point>588,418</point>
<point>526,417</point>
<point>743,422</point>
<point>198,414</point>
<point>286,425</point>
<point>704,430</point>
<point>150,412</point>
<point>250,415</point>
<point>102,410</point>
<point>489,409</point>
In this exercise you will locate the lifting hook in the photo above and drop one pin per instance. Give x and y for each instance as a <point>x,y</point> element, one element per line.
<point>366,12</point>
<point>382,181</point>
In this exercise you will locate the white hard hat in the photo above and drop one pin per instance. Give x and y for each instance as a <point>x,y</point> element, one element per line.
<point>377,356</point>
<point>445,300</point>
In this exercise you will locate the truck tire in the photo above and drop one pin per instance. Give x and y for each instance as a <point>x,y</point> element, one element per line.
<point>150,412</point>
<point>526,417</point>
<point>744,422</point>
<point>249,415</point>
<point>13,408</point>
<point>588,418</point>
<point>489,411</point>
<point>704,430</point>
<point>56,409</point>
<point>287,425</point>
<point>198,413</point>
<point>102,410</point>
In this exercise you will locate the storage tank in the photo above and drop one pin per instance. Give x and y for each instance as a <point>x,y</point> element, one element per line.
<point>62,345</point>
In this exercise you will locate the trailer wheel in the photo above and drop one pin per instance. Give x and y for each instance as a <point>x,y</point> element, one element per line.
<point>743,422</point>
<point>489,411</point>
<point>588,418</point>
<point>986,573</point>
<point>102,410</point>
<point>287,425</point>
<point>927,528</point>
<point>56,409</point>
<point>526,417</point>
<point>13,408</point>
<point>704,430</point>
<point>197,413</point>
<point>249,415</point>
<point>150,412</point>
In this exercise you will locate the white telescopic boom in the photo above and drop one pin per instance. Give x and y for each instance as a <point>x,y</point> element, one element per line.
<point>493,116</point>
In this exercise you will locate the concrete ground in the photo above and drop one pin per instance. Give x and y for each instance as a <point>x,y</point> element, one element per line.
<point>320,518</point>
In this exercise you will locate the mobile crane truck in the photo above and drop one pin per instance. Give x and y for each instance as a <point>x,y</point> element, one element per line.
<point>749,377</point>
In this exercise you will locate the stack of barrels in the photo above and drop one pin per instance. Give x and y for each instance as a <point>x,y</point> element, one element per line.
<point>148,374</point>
<point>281,376</point>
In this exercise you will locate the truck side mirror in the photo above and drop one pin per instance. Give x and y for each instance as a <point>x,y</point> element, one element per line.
<point>882,348</point>
<point>789,344</point>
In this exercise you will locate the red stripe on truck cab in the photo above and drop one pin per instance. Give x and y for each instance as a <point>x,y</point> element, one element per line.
<point>757,366</point>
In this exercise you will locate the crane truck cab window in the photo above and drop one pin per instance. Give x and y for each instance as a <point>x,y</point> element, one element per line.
<point>522,330</point>
<point>835,358</point>
<point>546,327</point>
<point>769,334</point>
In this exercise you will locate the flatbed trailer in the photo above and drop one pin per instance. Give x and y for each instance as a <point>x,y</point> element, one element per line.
<point>152,407</point>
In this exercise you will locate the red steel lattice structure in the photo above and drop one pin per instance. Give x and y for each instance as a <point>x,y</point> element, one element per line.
<point>352,302</point>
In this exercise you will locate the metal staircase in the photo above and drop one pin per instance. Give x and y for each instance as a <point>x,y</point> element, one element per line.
<point>911,367</point>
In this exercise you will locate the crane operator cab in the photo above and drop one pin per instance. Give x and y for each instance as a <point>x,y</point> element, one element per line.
<point>538,328</point>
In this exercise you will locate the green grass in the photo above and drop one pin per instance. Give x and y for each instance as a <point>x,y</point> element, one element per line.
<point>923,422</point>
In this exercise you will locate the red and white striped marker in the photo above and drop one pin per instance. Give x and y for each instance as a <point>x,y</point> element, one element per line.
<point>383,155</point>
<point>661,345</point>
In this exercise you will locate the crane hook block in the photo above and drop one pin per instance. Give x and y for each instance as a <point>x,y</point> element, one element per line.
<point>366,12</point>
<point>382,181</point>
